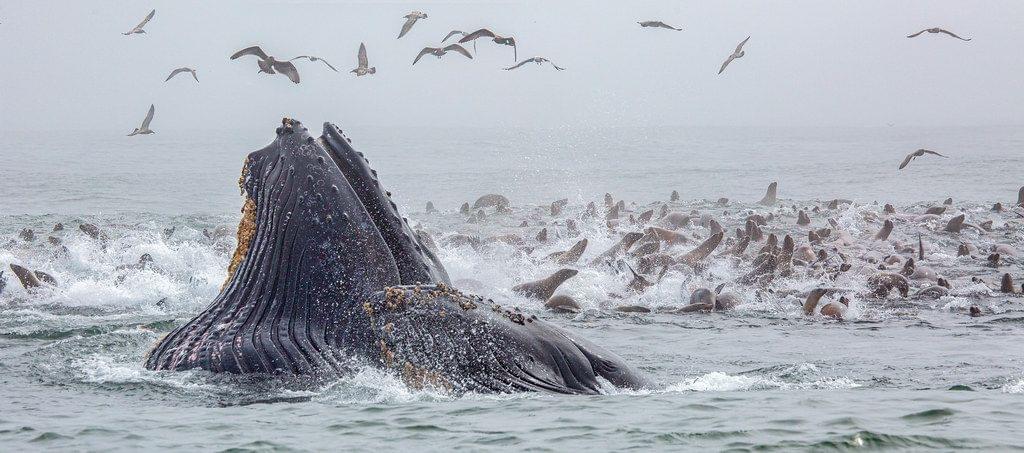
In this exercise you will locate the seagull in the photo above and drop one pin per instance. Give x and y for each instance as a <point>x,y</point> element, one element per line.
<point>483,32</point>
<point>438,52</point>
<point>738,53</point>
<point>538,60</point>
<point>362,69</point>
<point>916,154</point>
<point>269,64</point>
<point>181,70</point>
<point>938,30</point>
<point>138,28</point>
<point>144,128</point>
<point>658,24</point>
<point>410,20</point>
<point>457,32</point>
<point>315,59</point>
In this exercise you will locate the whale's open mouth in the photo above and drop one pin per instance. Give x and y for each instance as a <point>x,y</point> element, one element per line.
<point>317,232</point>
<point>328,275</point>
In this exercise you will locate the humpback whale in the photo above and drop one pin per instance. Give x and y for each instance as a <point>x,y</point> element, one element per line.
<point>327,277</point>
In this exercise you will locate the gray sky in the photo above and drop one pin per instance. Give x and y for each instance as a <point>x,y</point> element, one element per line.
<point>808,63</point>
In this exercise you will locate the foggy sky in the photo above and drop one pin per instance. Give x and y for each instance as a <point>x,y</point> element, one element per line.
<point>808,63</point>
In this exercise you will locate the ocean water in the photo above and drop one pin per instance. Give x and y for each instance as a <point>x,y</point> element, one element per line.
<point>893,375</point>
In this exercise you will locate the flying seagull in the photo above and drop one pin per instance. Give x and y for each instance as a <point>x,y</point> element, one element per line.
<point>658,24</point>
<point>315,59</point>
<point>439,51</point>
<point>538,60</point>
<point>457,32</point>
<point>916,154</point>
<point>483,32</point>
<point>268,64</point>
<point>181,70</point>
<point>938,30</point>
<point>144,128</point>
<point>738,53</point>
<point>363,68</point>
<point>410,20</point>
<point>138,28</point>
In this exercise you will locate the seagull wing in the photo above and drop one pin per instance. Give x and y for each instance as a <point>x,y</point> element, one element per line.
<point>739,48</point>
<point>515,50</point>
<point>953,34</point>
<point>453,33</point>
<point>288,69</point>
<point>193,71</point>
<point>426,50</point>
<point>300,56</point>
<point>145,21</point>
<point>149,117</point>
<point>459,49</point>
<point>916,34</point>
<point>520,64</point>
<point>363,61</point>
<point>254,50</point>
<point>926,151</point>
<point>328,65</point>
<point>407,26</point>
<point>906,160</point>
<point>175,72</point>
<point>556,66</point>
<point>726,63</point>
<point>483,32</point>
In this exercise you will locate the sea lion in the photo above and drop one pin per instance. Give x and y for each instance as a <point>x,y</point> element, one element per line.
<point>802,219</point>
<point>881,284</point>
<point>608,200</point>
<point>92,231</point>
<point>740,246</point>
<point>646,216</point>
<point>888,209</point>
<point>543,289</point>
<point>955,224</point>
<point>491,200</point>
<point>572,255</point>
<point>562,304</point>
<point>1020,196</point>
<point>975,312</point>
<point>669,237</point>
<point>646,248</point>
<point>674,196</point>
<point>677,220</point>
<point>763,273</point>
<point>649,263</point>
<point>613,213</point>
<point>430,209</point>
<point>770,195</point>
<point>935,210</point>
<point>464,209</point>
<point>1006,285</point>
<point>622,246</point>
<point>703,250</point>
<point>834,310</point>
<point>883,234</point>
<point>27,235</point>
<point>963,250</point>
<point>542,235</point>
<point>28,279</point>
